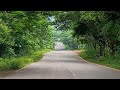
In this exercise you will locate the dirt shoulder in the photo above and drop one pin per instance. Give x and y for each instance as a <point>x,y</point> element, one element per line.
<point>6,73</point>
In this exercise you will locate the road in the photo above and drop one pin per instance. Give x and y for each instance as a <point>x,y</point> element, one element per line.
<point>59,46</point>
<point>64,65</point>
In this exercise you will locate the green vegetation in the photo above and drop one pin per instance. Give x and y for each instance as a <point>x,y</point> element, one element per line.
<point>19,62</point>
<point>21,34</point>
<point>67,39</point>
<point>98,31</point>
<point>113,62</point>
<point>69,42</point>
<point>24,32</point>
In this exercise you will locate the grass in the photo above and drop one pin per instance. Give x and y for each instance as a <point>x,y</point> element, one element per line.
<point>20,62</point>
<point>113,62</point>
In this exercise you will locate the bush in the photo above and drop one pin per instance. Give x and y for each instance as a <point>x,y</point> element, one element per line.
<point>19,62</point>
<point>110,61</point>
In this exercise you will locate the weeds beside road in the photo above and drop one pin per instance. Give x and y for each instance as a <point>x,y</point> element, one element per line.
<point>20,62</point>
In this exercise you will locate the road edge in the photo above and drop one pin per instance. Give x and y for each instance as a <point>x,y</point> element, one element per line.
<point>24,66</point>
<point>99,64</point>
<point>96,63</point>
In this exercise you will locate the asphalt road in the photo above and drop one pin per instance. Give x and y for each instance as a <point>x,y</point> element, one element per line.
<point>64,65</point>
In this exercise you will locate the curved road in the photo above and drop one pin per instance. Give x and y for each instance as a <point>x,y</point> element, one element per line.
<point>64,65</point>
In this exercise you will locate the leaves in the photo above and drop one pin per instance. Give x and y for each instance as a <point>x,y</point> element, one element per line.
<point>101,29</point>
<point>22,32</point>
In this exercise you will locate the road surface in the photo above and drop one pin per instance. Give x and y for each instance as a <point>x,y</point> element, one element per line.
<point>64,65</point>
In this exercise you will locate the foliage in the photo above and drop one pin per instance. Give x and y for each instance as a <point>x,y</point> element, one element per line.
<point>19,62</point>
<point>66,38</point>
<point>100,29</point>
<point>23,32</point>
<point>69,42</point>
<point>110,61</point>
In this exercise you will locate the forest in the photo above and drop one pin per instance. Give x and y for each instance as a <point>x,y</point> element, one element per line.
<point>26,35</point>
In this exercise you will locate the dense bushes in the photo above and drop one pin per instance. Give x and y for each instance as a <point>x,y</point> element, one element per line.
<point>109,61</point>
<point>19,62</point>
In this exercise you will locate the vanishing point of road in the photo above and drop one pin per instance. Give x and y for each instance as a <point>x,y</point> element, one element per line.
<point>64,65</point>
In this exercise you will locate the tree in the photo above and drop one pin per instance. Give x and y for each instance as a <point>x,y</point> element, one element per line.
<point>100,28</point>
<point>23,32</point>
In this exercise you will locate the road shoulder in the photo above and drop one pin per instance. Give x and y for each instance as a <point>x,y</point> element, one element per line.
<point>6,73</point>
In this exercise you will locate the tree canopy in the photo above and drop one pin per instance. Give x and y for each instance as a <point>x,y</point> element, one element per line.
<point>23,32</point>
<point>100,29</point>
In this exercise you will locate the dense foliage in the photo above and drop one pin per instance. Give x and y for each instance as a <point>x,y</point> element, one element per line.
<point>98,30</point>
<point>67,39</point>
<point>23,32</point>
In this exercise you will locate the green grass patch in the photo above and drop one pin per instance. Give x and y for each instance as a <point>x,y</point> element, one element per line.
<point>20,62</point>
<point>113,62</point>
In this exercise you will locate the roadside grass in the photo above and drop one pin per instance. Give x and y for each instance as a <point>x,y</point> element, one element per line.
<point>113,62</point>
<point>20,62</point>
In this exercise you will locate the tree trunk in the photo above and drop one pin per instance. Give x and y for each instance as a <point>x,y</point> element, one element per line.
<point>95,46</point>
<point>113,49</point>
<point>102,49</point>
